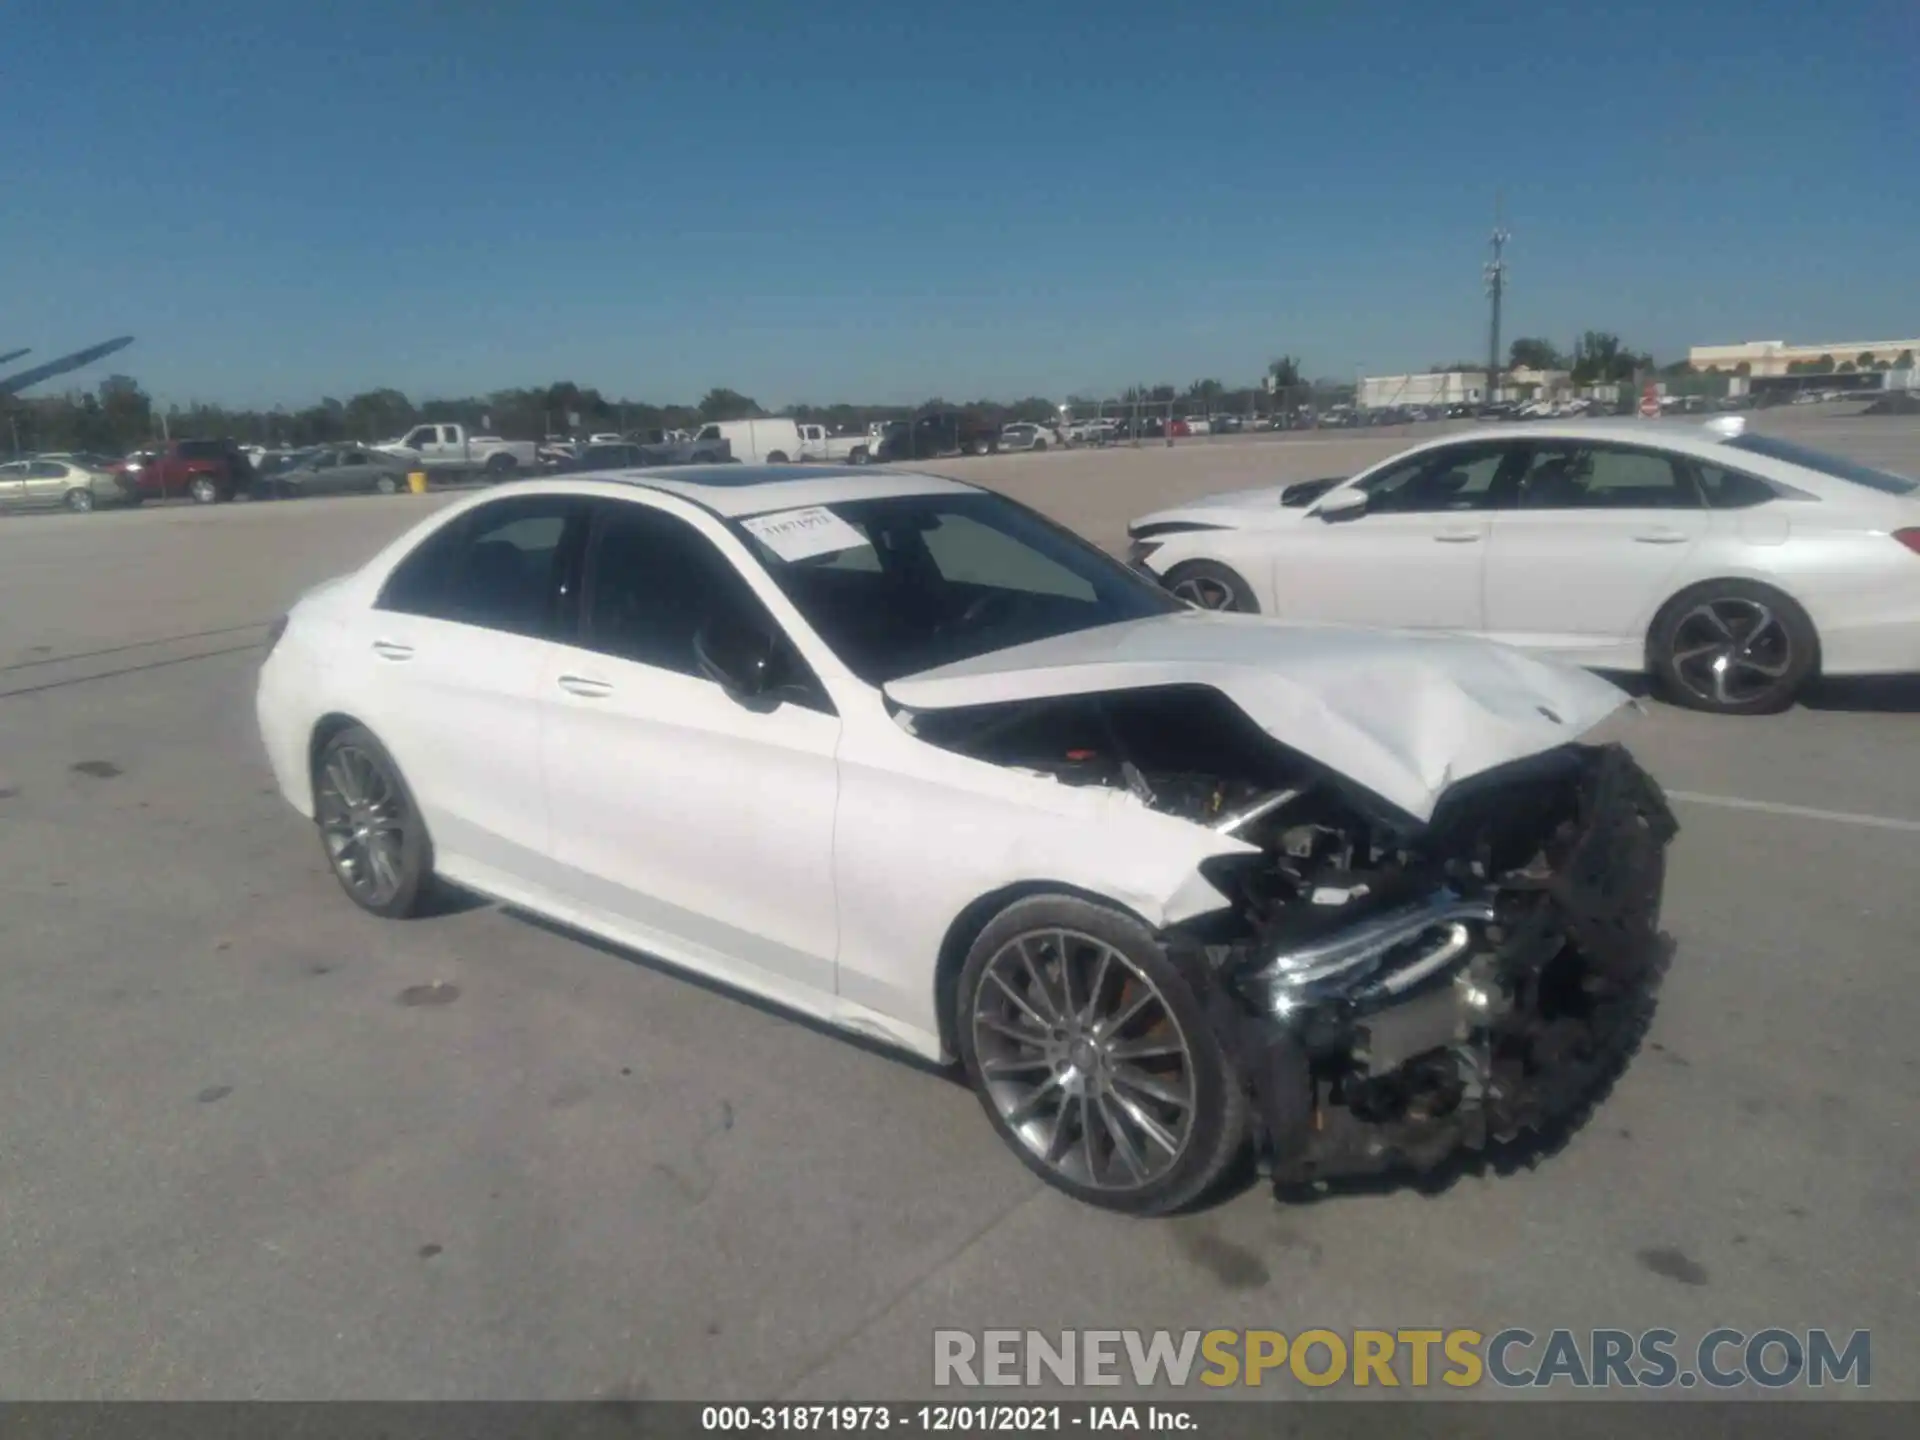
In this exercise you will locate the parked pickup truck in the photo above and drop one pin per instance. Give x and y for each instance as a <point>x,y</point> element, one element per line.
<point>448,450</point>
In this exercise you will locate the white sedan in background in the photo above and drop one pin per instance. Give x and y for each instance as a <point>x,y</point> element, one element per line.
<point>1732,566</point>
<point>900,754</point>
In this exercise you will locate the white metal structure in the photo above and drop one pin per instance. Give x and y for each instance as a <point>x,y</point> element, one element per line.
<point>664,707</point>
<point>1731,565</point>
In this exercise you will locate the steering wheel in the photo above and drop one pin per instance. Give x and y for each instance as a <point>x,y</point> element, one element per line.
<point>981,606</point>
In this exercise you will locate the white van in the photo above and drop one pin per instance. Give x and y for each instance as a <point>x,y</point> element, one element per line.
<point>774,441</point>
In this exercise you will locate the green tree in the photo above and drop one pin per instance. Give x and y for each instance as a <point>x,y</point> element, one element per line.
<point>1864,360</point>
<point>1904,360</point>
<point>1533,353</point>
<point>1285,373</point>
<point>1600,358</point>
<point>724,404</point>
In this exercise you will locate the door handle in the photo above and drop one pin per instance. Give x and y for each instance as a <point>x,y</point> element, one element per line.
<point>392,650</point>
<point>1661,537</point>
<point>1456,537</point>
<point>585,686</point>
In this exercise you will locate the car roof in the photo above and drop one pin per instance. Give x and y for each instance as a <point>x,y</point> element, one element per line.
<point>736,490</point>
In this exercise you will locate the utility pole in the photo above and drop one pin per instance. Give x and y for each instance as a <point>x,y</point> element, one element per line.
<point>1496,273</point>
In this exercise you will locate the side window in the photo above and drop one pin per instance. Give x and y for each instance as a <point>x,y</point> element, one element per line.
<point>1457,478</point>
<point>969,553</point>
<point>418,436</point>
<point>17,470</point>
<point>652,582</point>
<point>47,470</point>
<point>498,567</point>
<point>708,432</point>
<point>1604,477</point>
<point>325,460</point>
<point>1731,489</point>
<point>449,435</point>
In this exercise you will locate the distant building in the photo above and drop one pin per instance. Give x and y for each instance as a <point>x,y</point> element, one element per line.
<point>1442,387</point>
<point>1776,357</point>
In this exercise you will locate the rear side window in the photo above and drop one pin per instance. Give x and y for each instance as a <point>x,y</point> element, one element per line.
<point>201,450</point>
<point>499,568</point>
<point>1731,489</point>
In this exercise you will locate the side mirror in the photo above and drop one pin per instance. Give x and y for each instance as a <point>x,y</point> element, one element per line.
<point>1343,505</point>
<point>740,659</point>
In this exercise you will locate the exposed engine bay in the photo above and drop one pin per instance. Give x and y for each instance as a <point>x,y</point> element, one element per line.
<point>1393,989</point>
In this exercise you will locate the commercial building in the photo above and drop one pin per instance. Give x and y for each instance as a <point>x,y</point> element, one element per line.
<point>1777,357</point>
<point>1460,387</point>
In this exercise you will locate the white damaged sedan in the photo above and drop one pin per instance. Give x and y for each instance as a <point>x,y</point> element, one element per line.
<point>898,753</point>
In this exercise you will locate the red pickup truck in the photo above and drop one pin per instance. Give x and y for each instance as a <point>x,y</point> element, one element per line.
<point>205,470</point>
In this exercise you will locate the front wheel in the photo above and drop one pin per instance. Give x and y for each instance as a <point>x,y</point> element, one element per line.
<point>387,485</point>
<point>1039,445</point>
<point>369,825</point>
<point>861,457</point>
<point>1733,647</point>
<point>79,501</point>
<point>1209,586</point>
<point>1093,1057</point>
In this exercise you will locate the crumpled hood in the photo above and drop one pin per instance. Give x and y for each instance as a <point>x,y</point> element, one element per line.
<point>1405,715</point>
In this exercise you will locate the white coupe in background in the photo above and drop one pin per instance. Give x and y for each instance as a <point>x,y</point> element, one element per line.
<point>1732,566</point>
<point>900,754</point>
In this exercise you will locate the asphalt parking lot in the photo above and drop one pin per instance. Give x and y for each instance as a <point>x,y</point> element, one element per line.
<point>259,1144</point>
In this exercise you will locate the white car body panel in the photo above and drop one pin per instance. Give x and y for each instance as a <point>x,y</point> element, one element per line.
<point>1403,715</point>
<point>1582,585</point>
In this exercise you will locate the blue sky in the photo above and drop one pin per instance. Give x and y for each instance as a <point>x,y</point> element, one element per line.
<point>854,200</point>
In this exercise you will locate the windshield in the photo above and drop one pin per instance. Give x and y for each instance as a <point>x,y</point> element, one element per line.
<point>1840,469</point>
<point>924,580</point>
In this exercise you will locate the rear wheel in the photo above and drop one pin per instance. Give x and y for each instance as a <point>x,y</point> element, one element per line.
<point>1039,445</point>
<point>1208,585</point>
<point>371,829</point>
<point>777,457</point>
<point>387,485</point>
<point>501,466</point>
<point>79,501</point>
<point>981,447</point>
<point>1733,647</point>
<point>1093,1058</point>
<point>203,490</point>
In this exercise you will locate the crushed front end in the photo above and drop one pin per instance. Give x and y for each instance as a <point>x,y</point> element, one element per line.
<point>1395,999</point>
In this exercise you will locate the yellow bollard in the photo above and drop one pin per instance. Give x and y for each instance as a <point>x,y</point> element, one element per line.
<point>417,482</point>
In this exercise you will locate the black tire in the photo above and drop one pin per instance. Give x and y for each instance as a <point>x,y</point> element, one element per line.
<point>1039,445</point>
<point>386,485</point>
<point>204,490</point>
<point>776,457</point>
<point>1203,582</point>
<point>982,447</point>
<point>413,863</point>
<point>1766,641</point>
<point>79,500</point>
<point>1205,1073</point>
<point>500,466</point>
<point>862,456</point>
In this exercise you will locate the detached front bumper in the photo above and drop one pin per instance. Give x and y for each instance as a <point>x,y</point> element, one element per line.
<point>1483,1016</point>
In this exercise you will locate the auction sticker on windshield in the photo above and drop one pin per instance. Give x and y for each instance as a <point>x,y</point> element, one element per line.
<point>802,534</point>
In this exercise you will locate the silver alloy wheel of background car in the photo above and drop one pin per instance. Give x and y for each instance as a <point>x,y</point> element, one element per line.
<point>387,485</point>
<point>1732,650</point>
<point>80,501</point>
<point>1205,591</point>
<point>363,817</point>
<point>203,490</point>
<point>1084,1060</point>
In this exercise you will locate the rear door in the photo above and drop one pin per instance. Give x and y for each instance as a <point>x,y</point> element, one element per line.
<point>1590,548</point>
<point>48,482</point>
<point>447,668</point>
<point>13,483</point>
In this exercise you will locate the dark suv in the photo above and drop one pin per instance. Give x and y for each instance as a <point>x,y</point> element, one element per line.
<point>205,470</point>
<point>946,432</point>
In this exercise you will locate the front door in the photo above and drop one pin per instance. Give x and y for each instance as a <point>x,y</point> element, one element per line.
<point>1413,559</point>
<point>691,817</point>
<point>13,482</point>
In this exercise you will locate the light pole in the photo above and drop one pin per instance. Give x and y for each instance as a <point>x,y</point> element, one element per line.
<point>1496,273</point>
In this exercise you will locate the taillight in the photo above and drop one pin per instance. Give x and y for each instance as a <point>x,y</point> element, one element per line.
<point>1910,538</point>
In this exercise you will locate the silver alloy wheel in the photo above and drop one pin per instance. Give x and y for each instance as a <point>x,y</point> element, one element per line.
<point>363,819</point>
<point>1084,1059</point>
<point>1204,591</point>
<point>80,501</point>
<point>1731,651</point>
<point>203,490</point>
<point>387,485</point>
